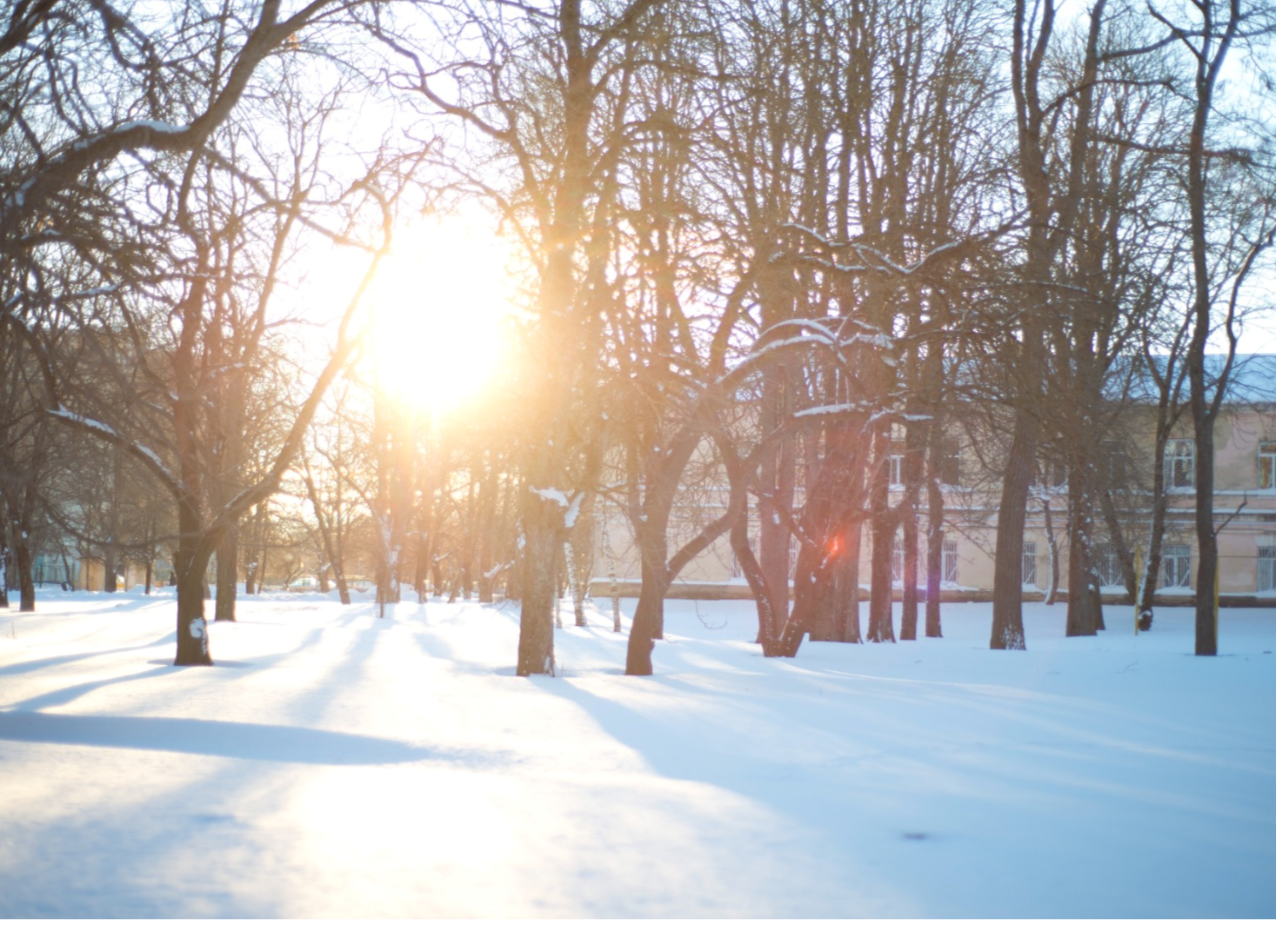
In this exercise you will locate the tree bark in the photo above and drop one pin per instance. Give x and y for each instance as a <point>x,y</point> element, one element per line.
<point>1052,541</point>
<point>880,626</point>
<point>539,588</point>
<point>1007,589</point>
<point>227,575</point>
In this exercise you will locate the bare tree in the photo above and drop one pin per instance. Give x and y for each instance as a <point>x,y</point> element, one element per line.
<point>1231,202</point>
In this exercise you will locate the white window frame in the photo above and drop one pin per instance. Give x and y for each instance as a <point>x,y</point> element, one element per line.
<point>948,558</point>
<point>1107,566</point>
<point>1176,566</point>
<point>895,470</point>
<point>1266,568</point>
<point>1267,465</point>
<point>1180,462</point>
<point>1029,563</point>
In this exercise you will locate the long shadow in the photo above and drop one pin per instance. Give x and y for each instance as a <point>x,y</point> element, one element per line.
<point>25,667</point>
<point>75,691</point>
<point>210,738</point>
<point>120,602</point>
<point>66,695</point>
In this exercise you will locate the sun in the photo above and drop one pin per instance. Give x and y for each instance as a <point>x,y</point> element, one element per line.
<point>439,308</point>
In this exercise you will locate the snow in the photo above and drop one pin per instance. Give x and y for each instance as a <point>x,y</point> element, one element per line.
<point>334,764</point>
<point>573,511</point>
<point>552,494</point>
<point>1253,379</point>
<point>161,127</point>
<point>157,466</point>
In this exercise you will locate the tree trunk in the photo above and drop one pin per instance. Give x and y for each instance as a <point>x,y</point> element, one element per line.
<point>934,552</point>
<point>227,575</point>
<point>648,622</point>
<point>261,568</point>
<point>540,586</point>
<point>1052,541</point>
<point>768,626</point>
<point>190,564</point>
<point>775,481</point>
<point>1156,536</point>
<point>22,563</point>
<point>849,596</point>
<point>1080,617</point>
<point>1007,587</point>
<point>835,614</point>
<point>108,568</point>
<point>1112,522</point>
<point>880,627</point>
<point>908,617</point>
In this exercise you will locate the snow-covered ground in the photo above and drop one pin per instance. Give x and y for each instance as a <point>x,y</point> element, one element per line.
<point>333,764</point>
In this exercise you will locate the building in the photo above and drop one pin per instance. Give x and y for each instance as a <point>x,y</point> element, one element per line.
<point>1245,510</point>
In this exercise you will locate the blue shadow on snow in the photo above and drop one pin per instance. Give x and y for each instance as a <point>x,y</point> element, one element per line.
<point>209,738</point>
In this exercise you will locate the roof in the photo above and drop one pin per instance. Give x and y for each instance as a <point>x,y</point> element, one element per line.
<point>1252,381</point>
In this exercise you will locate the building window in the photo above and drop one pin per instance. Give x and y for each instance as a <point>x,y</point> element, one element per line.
<point>1029,563</point>
<point>1180,462</point>
<point>950,561</point>
<point>1176,566</point>
<point>895,469</point>
<point>897,561</point>
<point>1112,463</point>
<point>949,463</point>
<point>1050,472</point>
<point>1267,464</point>
<point>1107,565</point>
<point>1267,568</point>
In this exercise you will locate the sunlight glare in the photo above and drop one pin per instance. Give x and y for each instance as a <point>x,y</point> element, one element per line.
<point>439,306</point>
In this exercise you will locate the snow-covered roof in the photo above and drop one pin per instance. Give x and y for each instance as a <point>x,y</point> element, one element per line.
<point>1252,382</point>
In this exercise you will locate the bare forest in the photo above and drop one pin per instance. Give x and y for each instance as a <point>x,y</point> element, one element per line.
<point>771,259</point>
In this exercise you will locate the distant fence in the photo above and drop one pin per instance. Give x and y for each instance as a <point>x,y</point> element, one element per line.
<point>716,591</point>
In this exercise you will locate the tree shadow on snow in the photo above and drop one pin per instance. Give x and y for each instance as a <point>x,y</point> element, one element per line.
<point>209,738</point>
<point>25,667</point>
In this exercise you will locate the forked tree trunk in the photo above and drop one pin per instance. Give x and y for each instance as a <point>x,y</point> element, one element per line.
<point>1112,522</point>
<point>768,625</point>
<point>804,600</point>
<point>835,615</point>
<point>648,624</point>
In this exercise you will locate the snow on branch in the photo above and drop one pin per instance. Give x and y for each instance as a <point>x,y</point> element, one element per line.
<point>551,494</point>
<point>571,507</point>
<point>573,510</point>
<point>868,259</point>
<point>137,449</point>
